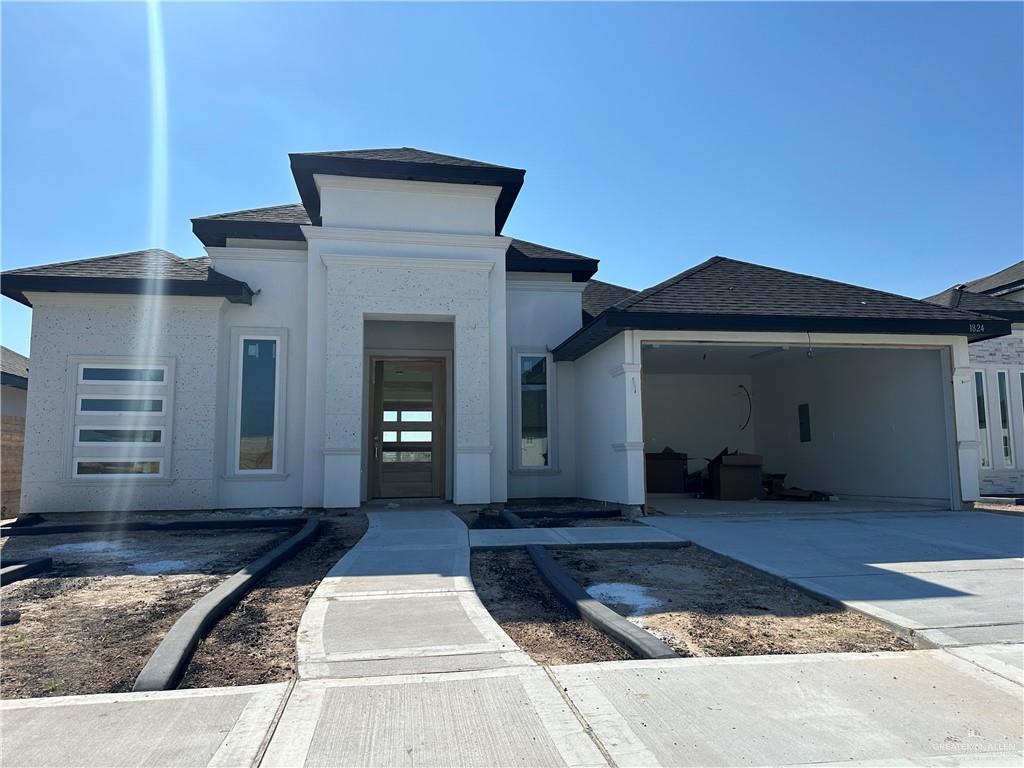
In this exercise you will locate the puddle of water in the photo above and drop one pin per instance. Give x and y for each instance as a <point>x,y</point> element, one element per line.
<point>162,566</point>
<point>633,596</point>
<point>89,548</point>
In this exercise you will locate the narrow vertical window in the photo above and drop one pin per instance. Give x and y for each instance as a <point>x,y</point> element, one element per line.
<point>257,408</point>
<point>533,411</point>
<point>1005,425</point>
<point>983,441</point>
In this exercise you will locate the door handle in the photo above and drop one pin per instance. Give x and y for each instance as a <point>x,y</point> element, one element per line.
<point>376,446</point>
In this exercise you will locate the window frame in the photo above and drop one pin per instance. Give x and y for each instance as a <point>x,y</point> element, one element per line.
<point>122,366</point>
<point>515,437</point>
<point>238,338</point>
<point>80,388</point>
<point>1003,374</point>
<point>984,441</point>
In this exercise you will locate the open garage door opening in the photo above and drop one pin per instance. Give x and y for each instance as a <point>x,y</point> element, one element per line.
<point>841,424</point>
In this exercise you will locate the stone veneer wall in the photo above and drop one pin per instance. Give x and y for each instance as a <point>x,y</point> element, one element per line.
<point>186,329</point>
<point>1004,353</point>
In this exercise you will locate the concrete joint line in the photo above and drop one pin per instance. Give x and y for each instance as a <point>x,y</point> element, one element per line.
<point>579,716</point>
<point>274,723</point>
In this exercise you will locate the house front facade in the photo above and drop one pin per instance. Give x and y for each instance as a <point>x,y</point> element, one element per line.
<point>383,338</point>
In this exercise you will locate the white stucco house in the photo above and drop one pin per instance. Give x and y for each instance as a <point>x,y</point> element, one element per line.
<point>998,367</point>
<point>384,338</point>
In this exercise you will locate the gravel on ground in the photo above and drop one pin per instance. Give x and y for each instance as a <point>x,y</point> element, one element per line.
<point>90,624</point>
<point>511,589</point>
<point>704,604</point>
<point>255,643</point>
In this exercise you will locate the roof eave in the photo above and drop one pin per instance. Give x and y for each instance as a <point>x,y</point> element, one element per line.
<point>580,269</point>
<point>215,232</point>
<point>304,166</point>
<point>611,322</point>
<point>13,380</point>
<point>235,291</point>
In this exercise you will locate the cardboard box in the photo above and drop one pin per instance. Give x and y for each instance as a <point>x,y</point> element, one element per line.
<point>736,477</point>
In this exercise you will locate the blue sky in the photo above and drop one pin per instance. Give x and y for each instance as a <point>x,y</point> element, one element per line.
<point>874,143</point>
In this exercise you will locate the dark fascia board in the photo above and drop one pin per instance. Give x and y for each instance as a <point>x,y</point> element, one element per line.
<point>304,166</point>
<point>215,232</point>
<point>13,380</point>
<point>580,269</point>
<point>611,322</point>
<point>235,291</point>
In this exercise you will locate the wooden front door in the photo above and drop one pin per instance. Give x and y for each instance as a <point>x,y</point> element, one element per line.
<point>407,428</point>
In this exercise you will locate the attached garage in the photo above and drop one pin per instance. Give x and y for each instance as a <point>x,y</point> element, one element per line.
<point>846,390</point>
<point>848,421</point>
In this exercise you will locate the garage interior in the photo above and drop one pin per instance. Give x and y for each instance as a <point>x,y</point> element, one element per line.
<point>851,423</point>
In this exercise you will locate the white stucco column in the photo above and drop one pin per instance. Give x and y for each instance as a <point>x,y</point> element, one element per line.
<point>965,418</point>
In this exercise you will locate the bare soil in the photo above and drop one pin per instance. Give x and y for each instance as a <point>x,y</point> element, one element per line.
<point>511,589</point>
<point>90,624</point>
<point>484,519</point>
<point>255,643</point>
<point>703,604</point>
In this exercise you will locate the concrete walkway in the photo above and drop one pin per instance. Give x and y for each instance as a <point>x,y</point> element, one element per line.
<point>580,536</point>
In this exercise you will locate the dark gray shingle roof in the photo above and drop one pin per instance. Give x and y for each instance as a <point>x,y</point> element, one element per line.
<point>960,298</point>
<point>599,296</point>
<point>403,155</point>
<point>724,286</point>
<point>150,271</point>
<point>522,255</point>
<point>14,367</point>
<point>726,295</point>
<point>1011,277</point>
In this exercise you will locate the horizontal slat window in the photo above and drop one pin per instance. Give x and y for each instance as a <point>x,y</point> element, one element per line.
<point>103,435</point>
<point>90,468</point>
<point>122,420</point>
<point>121,405</point>
<point>100,375</point>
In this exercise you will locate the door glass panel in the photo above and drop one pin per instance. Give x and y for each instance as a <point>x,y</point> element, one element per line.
<point>416,437</point>
<point>416,415</point>
<point>390,437</point>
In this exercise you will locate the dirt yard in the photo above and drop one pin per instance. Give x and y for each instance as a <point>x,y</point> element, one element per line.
<point>703,604</point>
<point>255,643</point>
<point>89,625</point>
<point>517,598</point>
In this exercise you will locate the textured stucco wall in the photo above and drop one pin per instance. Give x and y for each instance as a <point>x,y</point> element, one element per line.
<point>186,329</point>
<point>1005,353</point>
<point>356,289</point>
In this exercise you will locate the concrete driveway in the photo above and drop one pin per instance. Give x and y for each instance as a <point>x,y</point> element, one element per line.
<point>941,578</point>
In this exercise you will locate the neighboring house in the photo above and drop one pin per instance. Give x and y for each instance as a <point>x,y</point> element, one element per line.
<point>13,397</point>
<point>383,338</point>
<point>998,366</point>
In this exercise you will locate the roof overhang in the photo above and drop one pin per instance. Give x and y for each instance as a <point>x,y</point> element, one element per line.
<point>13,380</point>
<point>16,286</point>
<point>215,232</point>
<point>304,166</point>
<point>611,322</point>
<point>580,269</point>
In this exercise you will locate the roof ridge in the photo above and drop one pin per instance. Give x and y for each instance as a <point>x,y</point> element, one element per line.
<point>646,293</point>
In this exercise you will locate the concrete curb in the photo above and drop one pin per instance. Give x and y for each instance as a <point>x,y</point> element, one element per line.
<point>23,569</point>
<point>170,659</point>
<point>173,525</point>
<point>640,643</point>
